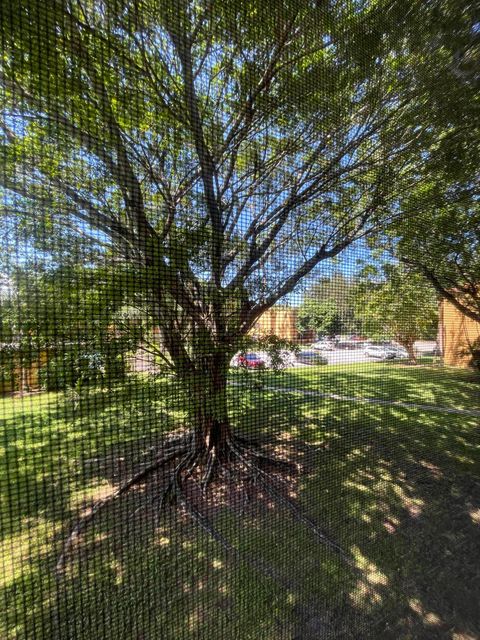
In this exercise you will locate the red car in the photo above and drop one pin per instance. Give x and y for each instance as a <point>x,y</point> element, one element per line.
<point>251,361</point>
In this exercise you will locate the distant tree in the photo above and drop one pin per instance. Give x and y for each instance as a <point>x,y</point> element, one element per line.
<point>338,293</point>
<point>402,306</point>
<point>320,316</point>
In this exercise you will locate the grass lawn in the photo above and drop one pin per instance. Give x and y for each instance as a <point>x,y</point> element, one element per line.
<point>456,388</point>
<point>398,488</point>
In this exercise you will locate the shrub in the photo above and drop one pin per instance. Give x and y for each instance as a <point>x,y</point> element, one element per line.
<point>76,366</point>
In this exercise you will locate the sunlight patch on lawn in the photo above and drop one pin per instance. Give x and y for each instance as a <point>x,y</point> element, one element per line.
<point>475,516</point>
<point>195,619</point>
<point>17,551</point>
<point>358,486</point>
<point>118,571</point>
<point>429,618</point>
<point>367,591</point>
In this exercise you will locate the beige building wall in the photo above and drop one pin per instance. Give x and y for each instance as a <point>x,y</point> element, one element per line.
<point>24,377</point>
<point>457,335</point>
<point>282,322</point>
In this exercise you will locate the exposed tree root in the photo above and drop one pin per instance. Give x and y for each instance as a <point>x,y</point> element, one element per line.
<point>231,549</point>
<point>269,486</point>
<point>208,467</point>
<point>166,457</point>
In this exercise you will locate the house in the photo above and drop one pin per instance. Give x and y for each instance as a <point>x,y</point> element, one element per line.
<point>458,336</point>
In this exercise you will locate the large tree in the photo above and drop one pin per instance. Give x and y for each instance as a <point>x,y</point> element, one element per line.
<point>444,243</point>
<point>438,233</point>
<point>220,151</point>
<point>399,304</point>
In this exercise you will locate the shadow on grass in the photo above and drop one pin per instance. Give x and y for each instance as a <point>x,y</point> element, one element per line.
<point>50,442</point>
<point>397,487</point>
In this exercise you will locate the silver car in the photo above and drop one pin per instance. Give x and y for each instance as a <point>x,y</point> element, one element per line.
<point>385,352</point>
<point>323,345</point>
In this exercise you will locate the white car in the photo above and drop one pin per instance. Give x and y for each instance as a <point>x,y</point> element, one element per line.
<point>401,353</point>
<point>385,352</point>
<point>374,351</point>
<point>323,345</point>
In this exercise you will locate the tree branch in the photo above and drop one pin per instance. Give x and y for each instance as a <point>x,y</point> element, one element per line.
<point>447,294</point>
<point>207,165</point>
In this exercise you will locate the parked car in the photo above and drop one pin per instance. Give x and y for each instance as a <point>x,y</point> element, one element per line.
<point>248,361</point>
<point>400,352</point>
<point>260,359</point>
<point>385,352</point>
<point>347,344</point>
<point>323,345</point>
<point>311,357</point>
<point>377,351</point>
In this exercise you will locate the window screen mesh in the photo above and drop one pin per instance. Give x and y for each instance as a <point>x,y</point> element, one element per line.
<point>239,320</point>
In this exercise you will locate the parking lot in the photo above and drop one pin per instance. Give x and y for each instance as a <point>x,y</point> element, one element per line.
<point>345,356</point>
<point>351,356</point>
<point>143,362</point>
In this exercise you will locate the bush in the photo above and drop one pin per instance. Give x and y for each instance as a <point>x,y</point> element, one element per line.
<point>476,359</point>
<point>473,353</point>
<point>68,369</point>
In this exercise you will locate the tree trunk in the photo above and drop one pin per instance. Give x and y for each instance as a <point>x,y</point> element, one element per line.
<point>206,389</point>
<point>409,346</point>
